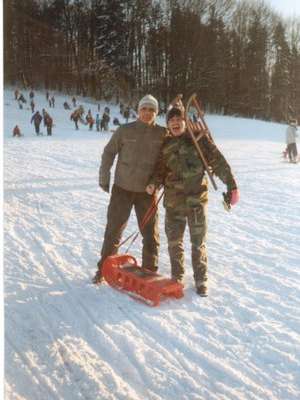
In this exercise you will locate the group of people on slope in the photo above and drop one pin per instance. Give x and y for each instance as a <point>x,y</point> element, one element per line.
<point>36,118</point>
<point>171,161</point>
<point>101,123</point>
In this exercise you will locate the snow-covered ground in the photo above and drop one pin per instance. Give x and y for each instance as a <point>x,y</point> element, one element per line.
<point>66,339</point>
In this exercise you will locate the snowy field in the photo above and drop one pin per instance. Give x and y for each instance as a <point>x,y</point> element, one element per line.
<point>66,339</point>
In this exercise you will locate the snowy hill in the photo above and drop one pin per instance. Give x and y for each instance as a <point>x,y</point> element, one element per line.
<point>67,339</point>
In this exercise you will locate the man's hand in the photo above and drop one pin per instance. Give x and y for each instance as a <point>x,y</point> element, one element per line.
<point>150,189</point>
<point>104,187</point>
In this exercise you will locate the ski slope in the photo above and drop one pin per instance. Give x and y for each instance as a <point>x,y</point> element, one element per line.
<point>66,339</point>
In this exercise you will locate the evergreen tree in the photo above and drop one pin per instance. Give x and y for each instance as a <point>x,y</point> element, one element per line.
<point>111,33</point>
<point>280,75</point>
<point>256,74</point>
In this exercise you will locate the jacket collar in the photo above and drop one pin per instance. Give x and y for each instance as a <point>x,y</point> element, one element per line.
<point>141,124</point>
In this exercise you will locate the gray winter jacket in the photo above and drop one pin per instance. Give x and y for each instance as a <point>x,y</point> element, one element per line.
<point>137,146</point>
<point>291,134</point>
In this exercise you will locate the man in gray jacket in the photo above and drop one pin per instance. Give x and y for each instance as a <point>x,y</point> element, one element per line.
<point>137,146</point>
<point>291,134</point>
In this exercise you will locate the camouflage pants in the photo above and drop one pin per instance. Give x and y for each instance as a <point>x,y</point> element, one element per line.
<point>175,224</point>
<point>119,209</point>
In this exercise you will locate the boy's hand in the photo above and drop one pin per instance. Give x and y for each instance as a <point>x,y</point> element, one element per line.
<point>234,196</point>
<point>231,198</point>
<point>150,189</point>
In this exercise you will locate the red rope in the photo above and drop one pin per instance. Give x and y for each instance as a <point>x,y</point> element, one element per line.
<point>148,215</point>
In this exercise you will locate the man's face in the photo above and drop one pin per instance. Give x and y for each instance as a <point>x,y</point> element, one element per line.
<point>176,125</point>
<point>147,115</point>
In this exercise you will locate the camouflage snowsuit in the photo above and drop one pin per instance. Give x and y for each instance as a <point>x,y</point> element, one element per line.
<point>181,171</point>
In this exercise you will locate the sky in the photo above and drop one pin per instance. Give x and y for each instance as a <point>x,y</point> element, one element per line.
<point>287,8</point>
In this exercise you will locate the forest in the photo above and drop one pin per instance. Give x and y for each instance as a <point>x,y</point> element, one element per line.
<point>240,57</point>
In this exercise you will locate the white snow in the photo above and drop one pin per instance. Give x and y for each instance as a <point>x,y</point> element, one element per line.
<point>67,339</point>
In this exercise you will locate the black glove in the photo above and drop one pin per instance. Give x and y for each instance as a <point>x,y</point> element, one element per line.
<point>226,201</point>
<point>104,187</point>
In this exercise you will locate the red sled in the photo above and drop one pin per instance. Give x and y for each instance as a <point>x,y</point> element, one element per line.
<point>122,272</point>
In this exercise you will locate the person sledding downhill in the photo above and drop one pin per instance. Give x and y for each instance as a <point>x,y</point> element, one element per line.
<point>180,170</point>
<point>137,145</point>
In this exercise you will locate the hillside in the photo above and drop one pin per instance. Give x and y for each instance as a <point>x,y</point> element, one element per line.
<point>67,339</point>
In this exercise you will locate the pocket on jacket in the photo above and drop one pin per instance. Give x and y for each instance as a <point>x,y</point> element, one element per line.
<point>128,150</point>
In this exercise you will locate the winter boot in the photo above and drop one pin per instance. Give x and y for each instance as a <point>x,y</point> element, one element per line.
<point>150,268</point>
<point>98,278</point>
<point>177,279</point>
<point>202,290</point>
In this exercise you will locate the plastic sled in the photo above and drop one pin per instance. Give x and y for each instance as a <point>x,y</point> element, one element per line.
<point>122,272</point>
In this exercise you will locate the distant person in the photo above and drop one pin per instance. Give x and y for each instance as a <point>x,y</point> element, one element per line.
<point>16,94</point>
<point>48,122</point>
<point>32,105</point>
<point>126,114</point>
<point>16,131</point>
<point>90,120</point>
<point>75,116</point>
<point>31,94</point>
<point>37,119</point>
<point>116,122</point>
<point>98,121</point>
<point>66,106</point>
<point>47,95</point>
<point>291,134</point>
<point>74,101</point>
<point>22,98</point>
<point>105,121</point>
<point>52,101</point>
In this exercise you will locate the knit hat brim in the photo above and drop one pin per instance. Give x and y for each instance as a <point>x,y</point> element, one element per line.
<point>149,101</point>
<point>174,111</point>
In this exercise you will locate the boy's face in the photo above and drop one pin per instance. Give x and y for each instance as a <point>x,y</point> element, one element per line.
<point>147,115</point>
<point>176,125</point>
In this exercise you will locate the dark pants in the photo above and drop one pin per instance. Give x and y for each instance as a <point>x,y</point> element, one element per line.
<point>119,209</point>
<point>49,130</point>
<point>292,151</point>
<point>37,128</point>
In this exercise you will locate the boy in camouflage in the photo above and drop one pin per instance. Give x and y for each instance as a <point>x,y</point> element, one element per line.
<point>182,173</point>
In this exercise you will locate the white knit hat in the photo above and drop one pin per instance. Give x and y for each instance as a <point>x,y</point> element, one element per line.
<point>148,101</point>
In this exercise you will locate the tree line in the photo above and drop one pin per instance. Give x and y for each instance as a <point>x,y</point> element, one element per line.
<point>239,56</point>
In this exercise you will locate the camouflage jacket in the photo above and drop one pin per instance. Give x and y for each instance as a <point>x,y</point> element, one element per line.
<point>137,146</point>
<point>181,171</point>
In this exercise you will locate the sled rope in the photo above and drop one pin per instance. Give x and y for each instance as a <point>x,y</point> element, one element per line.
<point>148,215</point>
